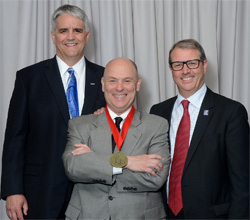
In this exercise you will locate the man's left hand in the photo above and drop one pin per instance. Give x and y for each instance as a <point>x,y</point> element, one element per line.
<point>81,149</point>
<point>99,111</point>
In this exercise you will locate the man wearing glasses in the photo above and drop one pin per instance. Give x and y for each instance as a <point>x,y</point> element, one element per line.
<point>209,143</point>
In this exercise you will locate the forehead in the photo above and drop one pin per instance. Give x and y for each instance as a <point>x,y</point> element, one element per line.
<point>120,70</point>
<point>181,54</point>
<point>67,20</point>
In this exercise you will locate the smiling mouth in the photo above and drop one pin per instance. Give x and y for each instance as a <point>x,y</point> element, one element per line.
<point>70,45</point>
<point>186,78</point>
<point>119,96</point>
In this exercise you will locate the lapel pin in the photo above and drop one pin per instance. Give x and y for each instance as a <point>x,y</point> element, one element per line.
<point>92,84</point>
<point>206,112</point>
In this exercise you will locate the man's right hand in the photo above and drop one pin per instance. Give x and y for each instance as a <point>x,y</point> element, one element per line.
<point>145,163</point>
<point>16,205</point>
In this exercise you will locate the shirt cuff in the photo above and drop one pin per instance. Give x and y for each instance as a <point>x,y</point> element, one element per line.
<point>117,170</point>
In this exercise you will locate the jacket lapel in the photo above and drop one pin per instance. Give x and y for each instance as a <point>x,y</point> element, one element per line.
<point>133,135</point>
<point>102,135</point>
<point>205,115</point>
<point>91,87</point>
<point>55,82</point>
<point>168,113</point>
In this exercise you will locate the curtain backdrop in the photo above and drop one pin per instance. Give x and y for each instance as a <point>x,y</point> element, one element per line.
<point>142,30</point>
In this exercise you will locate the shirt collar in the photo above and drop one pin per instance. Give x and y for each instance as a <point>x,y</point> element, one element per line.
<point>123,115</point>
<point>195,99</point>
<point>78,67</point>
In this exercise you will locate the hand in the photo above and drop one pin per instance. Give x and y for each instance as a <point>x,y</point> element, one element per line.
<point>81,149</point>
<point>99,111</point>
<point>145,163</point>
<point>16,205</point>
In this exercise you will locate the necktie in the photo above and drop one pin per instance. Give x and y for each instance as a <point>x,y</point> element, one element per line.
<point>71,95</point>
<point>118,120</point>
<point>180,153</point>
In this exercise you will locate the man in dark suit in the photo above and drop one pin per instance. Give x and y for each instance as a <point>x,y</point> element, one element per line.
<point>213,182</point>
<point>33,178</point>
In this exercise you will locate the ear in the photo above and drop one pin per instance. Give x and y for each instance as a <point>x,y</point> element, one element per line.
<point>138,85</point>
<point>205,66</point>
<point>52,36</point>
<point>87,38</point>
<point>171,70</point>
<point>102,81</point>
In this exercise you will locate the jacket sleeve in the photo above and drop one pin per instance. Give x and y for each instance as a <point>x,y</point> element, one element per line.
<point>143,182</point>
<point>14,142</point>
<point>237,142</point>
<point>93,167</point>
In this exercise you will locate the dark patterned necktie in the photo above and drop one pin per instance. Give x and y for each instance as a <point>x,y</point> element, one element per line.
<point>180,153</point>
<point>71,94</point>
<point>118,121</point>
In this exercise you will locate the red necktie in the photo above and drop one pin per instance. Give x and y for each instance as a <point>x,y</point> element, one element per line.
<point>180,154</point>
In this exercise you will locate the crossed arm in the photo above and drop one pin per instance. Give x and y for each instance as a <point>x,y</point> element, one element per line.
<point>142,163</point>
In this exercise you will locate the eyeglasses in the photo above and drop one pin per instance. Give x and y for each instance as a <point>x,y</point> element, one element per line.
<point>191,64</point>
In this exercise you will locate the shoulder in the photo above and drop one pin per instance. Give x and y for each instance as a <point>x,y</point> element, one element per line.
<point>164,107</point>
<point>165,103</point>
<point>224,107</point>
<point>150,125</point>
<point>224,103</point>
<point>94,66</point>
<point>223,100</point>
<point>152,120</point>
<point>83,119</point>
<point>38,67</point>
<point>82,123</point>
<point>40,64</point>
<point>149,117</point>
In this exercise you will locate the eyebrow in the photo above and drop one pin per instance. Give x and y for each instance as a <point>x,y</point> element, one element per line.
<point>75,29</point>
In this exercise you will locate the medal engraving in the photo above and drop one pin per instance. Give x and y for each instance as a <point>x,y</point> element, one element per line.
<point>118,159</point>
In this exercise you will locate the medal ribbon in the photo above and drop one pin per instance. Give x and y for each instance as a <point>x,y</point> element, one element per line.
<point>119,138</point>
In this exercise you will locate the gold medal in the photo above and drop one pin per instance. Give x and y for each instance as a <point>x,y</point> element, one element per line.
<point>118,159</point>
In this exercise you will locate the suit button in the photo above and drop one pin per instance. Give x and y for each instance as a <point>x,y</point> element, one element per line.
<point>110,198</point>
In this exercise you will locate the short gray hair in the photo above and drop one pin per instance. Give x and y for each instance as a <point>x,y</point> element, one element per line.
<point>71,10</point>
<point>188,44</point>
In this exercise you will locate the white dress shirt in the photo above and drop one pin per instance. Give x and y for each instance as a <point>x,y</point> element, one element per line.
<point>80,74</point>
<point>194,106</point>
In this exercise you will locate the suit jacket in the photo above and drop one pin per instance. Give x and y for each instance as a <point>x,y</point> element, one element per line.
<point>98,194</point>
<point>36,134</point>
<point>215,181</point>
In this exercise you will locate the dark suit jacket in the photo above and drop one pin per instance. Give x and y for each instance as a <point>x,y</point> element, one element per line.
<point>215,181</point>
<point>36,133</point>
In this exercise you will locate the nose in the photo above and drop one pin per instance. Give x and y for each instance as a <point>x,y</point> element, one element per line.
<point>186,69</point>
<point>119,86</point>
<point>71,35</point>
